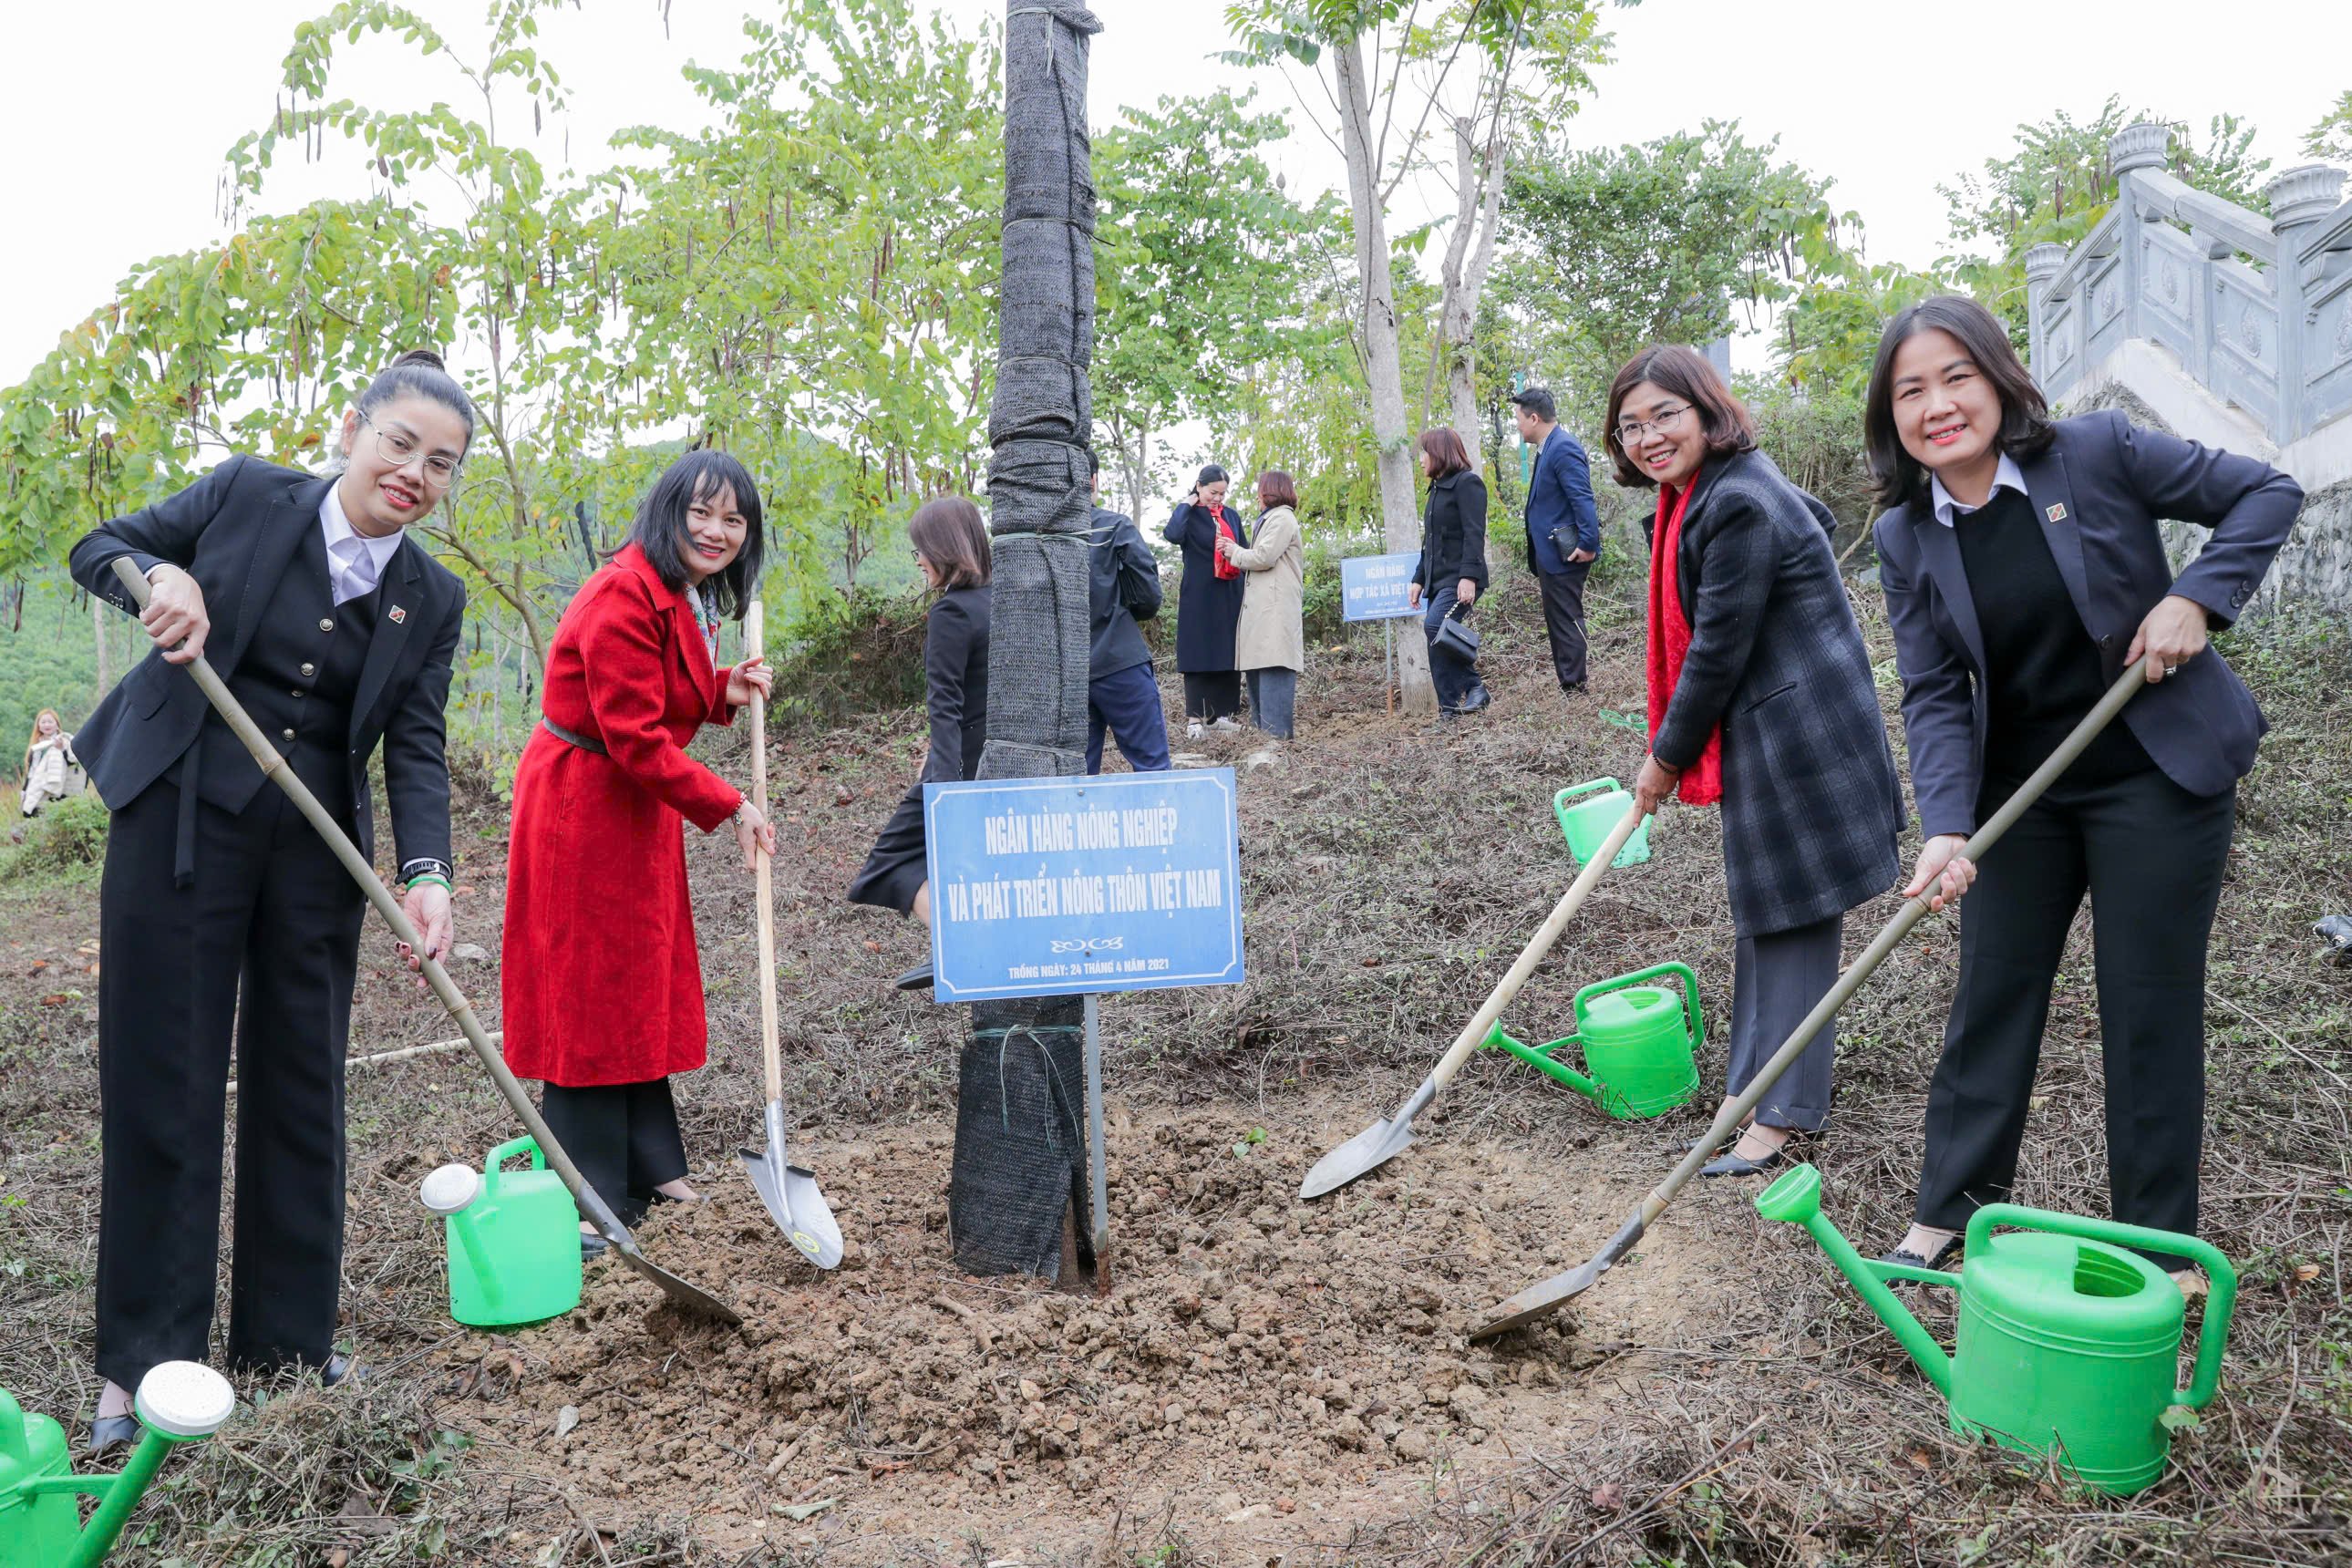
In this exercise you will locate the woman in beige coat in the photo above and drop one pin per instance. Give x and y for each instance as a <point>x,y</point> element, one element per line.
<point>1270,643</point>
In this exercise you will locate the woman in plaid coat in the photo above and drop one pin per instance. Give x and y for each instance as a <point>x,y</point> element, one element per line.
<point>1760,698</point>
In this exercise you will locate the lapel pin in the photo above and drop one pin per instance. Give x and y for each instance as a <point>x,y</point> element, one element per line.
<point>2057,512</point>
<point>399,614</point>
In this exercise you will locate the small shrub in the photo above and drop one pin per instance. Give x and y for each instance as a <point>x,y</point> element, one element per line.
<point>66,838</point>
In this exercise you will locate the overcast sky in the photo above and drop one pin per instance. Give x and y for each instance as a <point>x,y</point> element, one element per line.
<point>116,112</point>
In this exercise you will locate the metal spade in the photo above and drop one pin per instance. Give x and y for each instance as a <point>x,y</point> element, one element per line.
<point>790,1191</point>
<point>1384,1140</point>
<point>684,1292</point>
<point>1549,1295</point>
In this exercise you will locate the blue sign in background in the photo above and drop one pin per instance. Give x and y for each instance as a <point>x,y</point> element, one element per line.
<point>1373,587</point>
<point>1056,887</point>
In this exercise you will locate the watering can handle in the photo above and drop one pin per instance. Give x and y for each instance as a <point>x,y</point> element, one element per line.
<point>2211,1339</point>
<point>498,1156</point>
<point>1680,971</point>
<point>1572,791</point>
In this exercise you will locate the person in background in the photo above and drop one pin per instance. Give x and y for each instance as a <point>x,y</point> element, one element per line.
<point>604,1010</point>
<point>1451,572</point>
<point>1563,530</point>
<point>48,758</point>
<point>951,543</point>
<point>1208,602</point>
<point>1121,695</point>
<point>228,924</point>
<point>1271,642</point>
<point>1760,698</point>
<point>2025,571</point>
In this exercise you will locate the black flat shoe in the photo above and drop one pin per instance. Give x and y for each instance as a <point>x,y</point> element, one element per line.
<point>1903,1257</point>
<point>108,1433</point>
<point>1738,1164</point>
<point>592,1247</point>
<point>916,979</point>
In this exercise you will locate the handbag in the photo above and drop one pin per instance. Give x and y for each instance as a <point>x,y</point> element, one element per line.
<point>1457,640</point>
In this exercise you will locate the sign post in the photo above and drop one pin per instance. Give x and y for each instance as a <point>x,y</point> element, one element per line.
<point>1377,588</point>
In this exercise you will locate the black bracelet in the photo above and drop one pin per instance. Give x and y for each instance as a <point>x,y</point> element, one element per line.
<point>423,865</point>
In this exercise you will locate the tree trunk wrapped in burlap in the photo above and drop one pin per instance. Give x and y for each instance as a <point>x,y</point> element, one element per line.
<point>1019,1174</point>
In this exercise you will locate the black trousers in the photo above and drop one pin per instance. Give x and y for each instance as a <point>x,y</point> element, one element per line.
<point>900,862</point>
<point>1563,603</point>
<point>622,1136</point>
<point>2150,855</point>
<point>1214,695</point>
<point>1776,978</point>
<point>264,946</point>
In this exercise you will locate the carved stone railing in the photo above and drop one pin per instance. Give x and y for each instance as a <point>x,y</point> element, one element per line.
<point>2257,310</point>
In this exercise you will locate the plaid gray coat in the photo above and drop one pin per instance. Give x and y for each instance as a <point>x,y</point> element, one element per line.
<point>1810,806</point>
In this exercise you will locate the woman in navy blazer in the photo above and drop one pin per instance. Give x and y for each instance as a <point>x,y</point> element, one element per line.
<point>2024,571</point>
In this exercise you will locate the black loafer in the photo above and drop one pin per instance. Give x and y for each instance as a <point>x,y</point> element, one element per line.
<point>1738,1164</point>
<point>340,1369</point>
<point>916,979</point>
<point>592,1247</point>
<point>1903,1257</point>
<point>108,1433</point>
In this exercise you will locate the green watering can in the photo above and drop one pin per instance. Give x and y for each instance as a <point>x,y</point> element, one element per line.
<point>1588,821</point>
<point>1638,1042</point>
<point>41,1519</point>
<point>2068,1344</point>
<point>513,1236</point>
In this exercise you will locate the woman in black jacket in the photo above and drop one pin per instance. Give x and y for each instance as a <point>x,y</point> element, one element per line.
<point>1760,696</point>
<point>2025,571</point>
<point>1451,572</point>
<point>1208,602</point>
<point>951,547</point>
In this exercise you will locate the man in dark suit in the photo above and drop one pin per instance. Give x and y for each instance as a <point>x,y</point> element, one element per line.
<point>1563,530</point>
<point>1121,695</point>
<point>222,913</point>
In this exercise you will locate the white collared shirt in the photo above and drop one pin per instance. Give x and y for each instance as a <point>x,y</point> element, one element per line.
<point>2007,476</point>
<point>355,561</point>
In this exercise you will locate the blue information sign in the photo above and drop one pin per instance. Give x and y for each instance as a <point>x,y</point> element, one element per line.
<point>1373,587</point>
<point>1057,886</point>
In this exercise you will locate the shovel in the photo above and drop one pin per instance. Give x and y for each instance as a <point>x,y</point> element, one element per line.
<point>1547,1295</point>
<point>608,1224</point>
<point>1384,1140</point>
<point>790,1192</point>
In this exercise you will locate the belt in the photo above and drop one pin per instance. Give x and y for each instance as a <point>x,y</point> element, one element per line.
<point>585,743</point>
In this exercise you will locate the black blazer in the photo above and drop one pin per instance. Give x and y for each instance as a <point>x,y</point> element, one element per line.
<point>233,531</point>
<point>2099,489</point>
<point>1453,533</point>
<point>1810,805</point>
<point>955,670</point>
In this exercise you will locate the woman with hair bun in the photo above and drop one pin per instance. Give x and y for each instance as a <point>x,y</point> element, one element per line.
<point>1208,602</point>
<point>604,995</point>
<point>230,919</point>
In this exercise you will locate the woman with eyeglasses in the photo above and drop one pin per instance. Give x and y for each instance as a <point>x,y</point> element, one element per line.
<point>2025,571</point>
<point>602,995</point>
<point>1208,602</point>
<point>1762,699</point>
<point>224,916</point>
<point>951,551</point>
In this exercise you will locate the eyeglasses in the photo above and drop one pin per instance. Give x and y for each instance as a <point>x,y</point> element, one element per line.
<point>397,448</point>
<point>1633,430</point>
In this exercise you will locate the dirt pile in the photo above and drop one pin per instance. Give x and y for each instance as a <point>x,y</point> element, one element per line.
<point>1263,1352</point>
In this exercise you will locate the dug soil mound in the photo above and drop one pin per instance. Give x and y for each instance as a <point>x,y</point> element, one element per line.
<point>1246,1361</point>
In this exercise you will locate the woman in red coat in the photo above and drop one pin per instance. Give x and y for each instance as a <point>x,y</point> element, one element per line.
<point>600,982</point>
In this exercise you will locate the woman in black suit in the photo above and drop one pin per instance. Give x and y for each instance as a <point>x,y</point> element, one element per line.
<point>1452,571</point>
<point>2024,571</point>
<point>1208,602</point>
<point>952,549</point>
<point>1760,696</point>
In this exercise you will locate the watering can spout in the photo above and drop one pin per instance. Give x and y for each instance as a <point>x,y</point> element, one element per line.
<point>1796,1199</point>
<point>1559,1070</point>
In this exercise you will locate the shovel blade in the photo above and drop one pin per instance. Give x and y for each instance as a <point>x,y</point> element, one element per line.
<point>1367,1152</point>
<point>683,1292</point>
<point>1548,1296</point>
<point>794,1201</point>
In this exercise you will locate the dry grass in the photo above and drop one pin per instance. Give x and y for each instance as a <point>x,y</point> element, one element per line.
<point>1393,874</point>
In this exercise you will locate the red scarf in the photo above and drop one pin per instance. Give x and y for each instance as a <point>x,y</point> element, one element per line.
<point>1227,571</point>
<point>1670,640</point>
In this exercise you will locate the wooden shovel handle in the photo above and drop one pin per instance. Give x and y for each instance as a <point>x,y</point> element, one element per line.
<point>763,891</point>
<point>1538,945</point>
